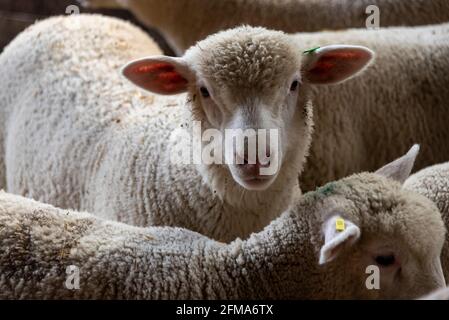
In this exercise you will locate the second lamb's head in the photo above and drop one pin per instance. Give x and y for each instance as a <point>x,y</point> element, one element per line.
<point>249,88</point>
<point>375,239</point>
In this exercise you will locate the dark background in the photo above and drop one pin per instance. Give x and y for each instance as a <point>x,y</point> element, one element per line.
<point>16,15</point>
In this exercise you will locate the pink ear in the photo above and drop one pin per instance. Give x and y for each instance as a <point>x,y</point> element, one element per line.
<point>335,241</point>
<point>334,64</point>
<point>161,76</point>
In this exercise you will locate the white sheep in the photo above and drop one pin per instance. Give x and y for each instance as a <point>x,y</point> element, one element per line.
<point>77,135</point>
<point>184,22</point>
<point>433,183</point>
<point>384,229</point>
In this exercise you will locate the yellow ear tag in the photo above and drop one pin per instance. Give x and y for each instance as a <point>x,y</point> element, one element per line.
<point>340,224</point>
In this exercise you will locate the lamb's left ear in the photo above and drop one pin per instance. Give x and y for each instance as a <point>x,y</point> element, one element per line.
<point>336,63</point>
<point>339,233</point>
<point>401,168</point>
<point>159,74</point>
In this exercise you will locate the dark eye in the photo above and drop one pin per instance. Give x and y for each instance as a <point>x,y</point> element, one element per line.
<point>385,261</point>
<point>294,85</point>
<point>204,92</point>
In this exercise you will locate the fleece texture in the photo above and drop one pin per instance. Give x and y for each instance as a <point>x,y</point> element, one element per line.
<point>118,261</point>
<point>77,135</point>
<point>433,182</point>
<point>184,22</point>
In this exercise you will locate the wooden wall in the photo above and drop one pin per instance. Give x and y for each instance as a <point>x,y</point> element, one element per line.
<point>16,15</point>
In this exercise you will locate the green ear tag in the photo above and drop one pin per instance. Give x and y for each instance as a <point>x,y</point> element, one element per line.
<point>311,50</point>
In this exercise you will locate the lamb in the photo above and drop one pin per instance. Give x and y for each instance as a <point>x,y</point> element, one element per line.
<point>184,22</point>
<point>384,227</point>
<point>77,135</point>
<point>433,183</point>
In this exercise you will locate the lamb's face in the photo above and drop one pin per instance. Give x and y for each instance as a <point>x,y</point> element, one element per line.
<point>391,245</point>
<point>250,85</point>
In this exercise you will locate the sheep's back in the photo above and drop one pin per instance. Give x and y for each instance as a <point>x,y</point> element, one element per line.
<point>61,92</point>
<point>115,261</point>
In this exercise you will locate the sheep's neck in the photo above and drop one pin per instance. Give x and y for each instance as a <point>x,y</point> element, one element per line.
<point>276,262</point>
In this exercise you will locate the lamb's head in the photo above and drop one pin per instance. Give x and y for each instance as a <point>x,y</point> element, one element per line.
<point>391,242</point>
<point>251,85</point>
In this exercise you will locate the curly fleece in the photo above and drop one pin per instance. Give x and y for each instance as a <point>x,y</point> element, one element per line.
<point>118,261</point>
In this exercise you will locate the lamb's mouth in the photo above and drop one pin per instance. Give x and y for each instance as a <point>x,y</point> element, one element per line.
<point>255,183</point>
<point>257,179</point>
<point>251,176</point>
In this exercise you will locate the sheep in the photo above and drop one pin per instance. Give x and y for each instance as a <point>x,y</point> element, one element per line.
<point>300,255</point>
<point>399,100</point>
<point>433,183</point>
<point>184,22</point>
<point>77,135</point>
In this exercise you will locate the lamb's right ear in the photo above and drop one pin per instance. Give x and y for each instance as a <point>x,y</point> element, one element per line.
<point>339,233</point>
<point>159,74</point>
<point>401,168</point>
<point>336,63</point>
